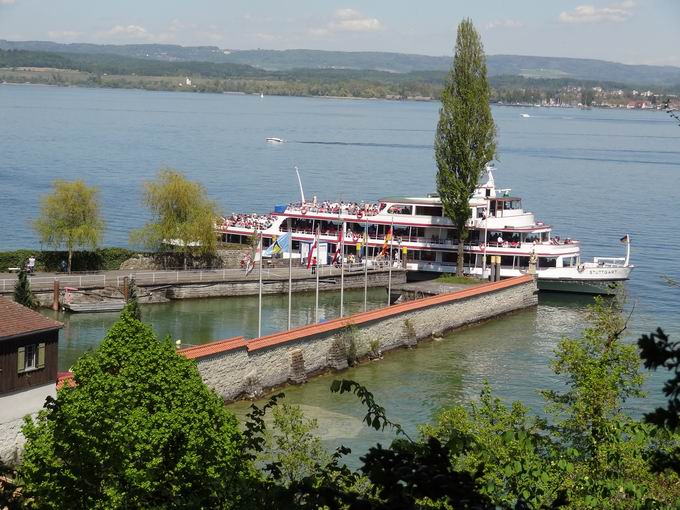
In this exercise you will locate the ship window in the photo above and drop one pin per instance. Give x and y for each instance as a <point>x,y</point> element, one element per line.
<point>544,236</point>
<point>506,260</point>
<point>423,210</point>
<point>523,261</point>
<point>547,261</point>
<point>449,257</point>
<point>418,231</point>
<point>400,209</point>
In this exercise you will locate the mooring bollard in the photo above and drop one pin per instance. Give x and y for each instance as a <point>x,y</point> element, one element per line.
<point>55,295</point>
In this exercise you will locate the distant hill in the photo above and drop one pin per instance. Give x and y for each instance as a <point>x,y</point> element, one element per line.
<point>287,60</point>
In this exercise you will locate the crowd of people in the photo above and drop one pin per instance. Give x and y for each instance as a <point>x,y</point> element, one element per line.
<point>326,206</point>
<point>254,221</point>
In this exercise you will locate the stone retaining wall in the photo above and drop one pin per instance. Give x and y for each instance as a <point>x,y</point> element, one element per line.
<point>236,368</point>
<point>250,287</point>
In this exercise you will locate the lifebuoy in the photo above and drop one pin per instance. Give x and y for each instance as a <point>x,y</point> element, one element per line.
<point>360,215</point>
<point>482,246</point>
<point>580,268</point>
<point>355,237</point>
<point>303,210</point>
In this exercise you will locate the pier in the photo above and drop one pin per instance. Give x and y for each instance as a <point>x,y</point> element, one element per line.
<point>238,368</point>
<point>161,286</point>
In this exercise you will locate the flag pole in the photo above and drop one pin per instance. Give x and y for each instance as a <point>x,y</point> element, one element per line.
<point>389,277</point>
<point>342,271</point>
<point>259,297</point>
<point>318,267</point>
<point>290,270</point>
<point>486,240</point>
<point>366,235</point>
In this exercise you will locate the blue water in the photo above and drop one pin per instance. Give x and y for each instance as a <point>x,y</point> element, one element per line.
<point>594,175</point>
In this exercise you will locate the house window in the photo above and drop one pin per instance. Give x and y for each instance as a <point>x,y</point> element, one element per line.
<point>31,357</point>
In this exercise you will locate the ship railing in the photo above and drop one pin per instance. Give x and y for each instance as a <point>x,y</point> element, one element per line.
<point>609,261</point>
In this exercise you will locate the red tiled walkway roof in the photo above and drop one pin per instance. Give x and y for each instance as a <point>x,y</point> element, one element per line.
<point>335,324</point>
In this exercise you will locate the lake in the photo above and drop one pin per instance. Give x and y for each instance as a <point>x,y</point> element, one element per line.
<point>594,175</point>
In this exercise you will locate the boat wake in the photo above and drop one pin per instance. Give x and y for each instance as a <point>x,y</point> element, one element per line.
<point>368,144</point>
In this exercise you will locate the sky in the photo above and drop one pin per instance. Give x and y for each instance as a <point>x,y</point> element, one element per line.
<point>628,31</point>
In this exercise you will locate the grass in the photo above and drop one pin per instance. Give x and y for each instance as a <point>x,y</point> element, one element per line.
<point>452,278</point>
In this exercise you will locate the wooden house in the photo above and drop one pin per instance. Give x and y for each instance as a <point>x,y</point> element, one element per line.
<point>28,360</point>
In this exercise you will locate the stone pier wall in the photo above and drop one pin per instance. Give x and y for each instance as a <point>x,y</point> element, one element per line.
<point>280,286</point>
<point>236,368</point>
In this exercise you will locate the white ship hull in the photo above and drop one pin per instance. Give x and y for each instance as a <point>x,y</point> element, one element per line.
<point>417,230</point>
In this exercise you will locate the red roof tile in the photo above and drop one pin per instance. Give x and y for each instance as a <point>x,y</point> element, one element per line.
<point>202,351</point>
<point>65,378</point>
<point>17,320</point>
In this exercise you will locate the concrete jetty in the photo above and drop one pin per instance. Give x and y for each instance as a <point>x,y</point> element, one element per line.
<point>161,286</point>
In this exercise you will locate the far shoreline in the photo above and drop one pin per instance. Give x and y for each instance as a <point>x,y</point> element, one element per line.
<point>308,96</point>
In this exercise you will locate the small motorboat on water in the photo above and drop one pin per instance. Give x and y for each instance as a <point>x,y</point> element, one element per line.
<point>526,115</point>
<point>274,140</point>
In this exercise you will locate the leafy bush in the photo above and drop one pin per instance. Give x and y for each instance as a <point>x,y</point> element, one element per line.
<point>138,429</point>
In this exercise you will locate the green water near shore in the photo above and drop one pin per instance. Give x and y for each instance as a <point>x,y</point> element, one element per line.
<point>199,321</point>
<point>512,352</point>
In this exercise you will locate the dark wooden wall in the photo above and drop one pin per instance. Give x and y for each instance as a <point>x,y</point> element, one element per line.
<point>10,379</point>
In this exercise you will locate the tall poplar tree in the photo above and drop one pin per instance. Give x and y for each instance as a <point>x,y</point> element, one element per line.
<point>466,133</point>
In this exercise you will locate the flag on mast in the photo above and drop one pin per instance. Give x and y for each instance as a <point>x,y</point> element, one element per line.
<point>311,251</point>
<point>339,246</point>
<point>386,244</point>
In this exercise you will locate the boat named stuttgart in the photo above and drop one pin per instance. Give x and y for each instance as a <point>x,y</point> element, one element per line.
<point>416,233</point>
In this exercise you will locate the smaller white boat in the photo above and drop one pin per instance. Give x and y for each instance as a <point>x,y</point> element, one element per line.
<point>274,140</point>
<point>261,95</point>
<point>526,115</point>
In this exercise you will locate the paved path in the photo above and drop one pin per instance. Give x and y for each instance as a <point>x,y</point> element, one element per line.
<point>45,281</point>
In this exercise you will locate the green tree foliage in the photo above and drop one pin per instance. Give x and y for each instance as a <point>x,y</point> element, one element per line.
<point>70,216</point>
<point>587,453</point>
<point>132,305</point>
<point>139,429</point>
<point>291,445</point>
<point>466,134</point>
<point>23,293</point>
<point>181,213</point>
<point>658,351</point>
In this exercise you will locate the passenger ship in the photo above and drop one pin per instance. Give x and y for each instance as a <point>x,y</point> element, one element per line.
<point>499,226</point>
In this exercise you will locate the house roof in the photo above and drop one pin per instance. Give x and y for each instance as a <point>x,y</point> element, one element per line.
<point>17,320</point>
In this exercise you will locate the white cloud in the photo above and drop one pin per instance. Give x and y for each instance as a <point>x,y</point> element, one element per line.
<point>591,14</point>
<point>62,34</point>
<point>129,30</point>
<point>136,33</point>
<point>504,23</point>
<point>347,20</point>
<point>7,2</point>
<point>347,14</point>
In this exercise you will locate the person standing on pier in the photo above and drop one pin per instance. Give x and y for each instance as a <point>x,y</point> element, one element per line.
<point>313,265</point>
